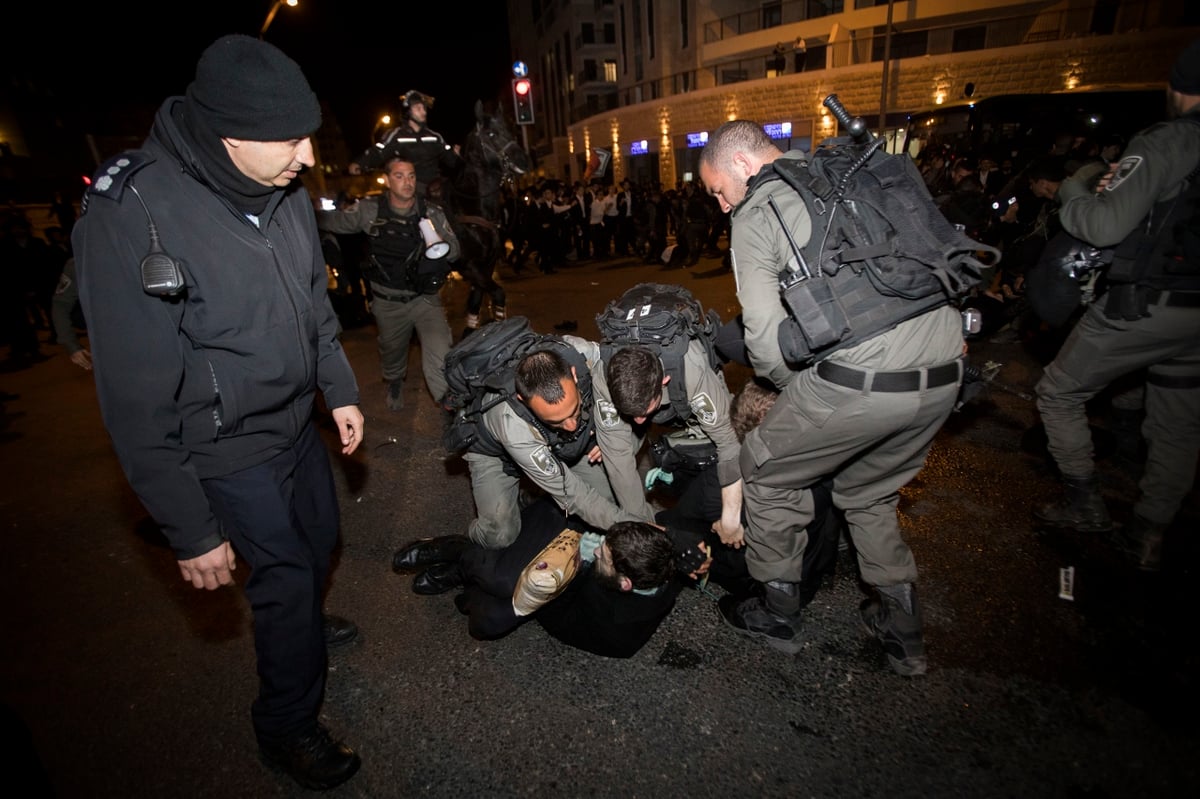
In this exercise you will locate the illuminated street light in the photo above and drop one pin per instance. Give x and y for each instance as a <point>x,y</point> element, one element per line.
<point>271,14</point>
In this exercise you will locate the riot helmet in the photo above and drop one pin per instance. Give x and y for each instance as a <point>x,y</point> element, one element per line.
<point>411,98</point>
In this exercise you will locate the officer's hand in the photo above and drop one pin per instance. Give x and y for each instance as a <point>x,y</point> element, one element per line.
<point>595,455</point>
<point>210,570</point>
<point>349,422</point>
<point>1106,178</point>
<point>735,537</point>
<point>82,359</point>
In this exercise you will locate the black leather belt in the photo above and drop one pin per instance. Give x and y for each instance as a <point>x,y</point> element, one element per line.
<point>1173,299</point>
<point>907,380</point>
<point>383,295</point>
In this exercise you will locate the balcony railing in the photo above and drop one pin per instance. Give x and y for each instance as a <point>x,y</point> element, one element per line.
<point>771,16</point>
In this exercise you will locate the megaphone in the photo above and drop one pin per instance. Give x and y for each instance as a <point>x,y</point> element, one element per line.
<point>434,246</point>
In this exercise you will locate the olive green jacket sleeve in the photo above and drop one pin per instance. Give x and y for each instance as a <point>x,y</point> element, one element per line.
<point>355,219</point>
<point>760,252</point>
<point>709,400</point>
<point>1153,168</point>
<point>618,444</point>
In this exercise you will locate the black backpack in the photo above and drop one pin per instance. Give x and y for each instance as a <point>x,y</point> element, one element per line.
<point>881,251</point>
<point>483,361</point>
<point>664,318</point>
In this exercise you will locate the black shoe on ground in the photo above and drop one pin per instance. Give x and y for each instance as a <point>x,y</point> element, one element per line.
<point>426,552</point>
<point>751,616</point>
<point>316,761</point>
<point>338,630</point>
<point>438,579</point>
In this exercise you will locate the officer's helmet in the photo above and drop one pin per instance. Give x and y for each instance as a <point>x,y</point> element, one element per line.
<point>412,97</point>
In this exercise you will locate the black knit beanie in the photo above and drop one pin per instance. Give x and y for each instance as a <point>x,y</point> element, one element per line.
<point>1185,77</point>
<point>246,88</point>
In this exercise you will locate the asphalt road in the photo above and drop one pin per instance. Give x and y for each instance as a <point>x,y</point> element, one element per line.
<point>130,683</point>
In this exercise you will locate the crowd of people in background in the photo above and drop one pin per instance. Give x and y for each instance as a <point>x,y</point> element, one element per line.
<point>554,223</point>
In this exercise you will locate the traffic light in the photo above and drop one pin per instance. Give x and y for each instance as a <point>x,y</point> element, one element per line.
<point>523,100</point>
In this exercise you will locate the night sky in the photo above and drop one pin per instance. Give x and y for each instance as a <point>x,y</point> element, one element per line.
<point>359,55</point>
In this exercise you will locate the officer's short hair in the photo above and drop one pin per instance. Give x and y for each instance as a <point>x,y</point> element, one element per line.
<point>635,376</point>
<point>540,374</point>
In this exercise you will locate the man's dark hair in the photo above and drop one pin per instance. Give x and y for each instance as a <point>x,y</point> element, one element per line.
<point>740,134</point>
<point>387,164</point>
<point>635,376</point>
<point>540,374</point>
<point>641,552</point>
<point>750,406</point>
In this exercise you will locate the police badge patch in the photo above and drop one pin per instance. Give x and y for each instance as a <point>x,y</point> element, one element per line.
<point>702,406</point>
<point>1124,169</point>
<point>544,462</point>
<point>609,418</point>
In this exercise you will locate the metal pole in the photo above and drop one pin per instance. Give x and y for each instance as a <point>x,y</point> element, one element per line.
<point>887,61</point>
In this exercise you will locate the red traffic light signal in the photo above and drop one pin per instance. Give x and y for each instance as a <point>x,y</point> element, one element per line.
<point>522,90</point>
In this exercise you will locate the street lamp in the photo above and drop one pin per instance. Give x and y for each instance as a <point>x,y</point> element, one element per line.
<point>271,14</point>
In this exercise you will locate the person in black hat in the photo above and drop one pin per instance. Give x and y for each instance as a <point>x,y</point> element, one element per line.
<point>203,283</point>
<point>1147,207</point>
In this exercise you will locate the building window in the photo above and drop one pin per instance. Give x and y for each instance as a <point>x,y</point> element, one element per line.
<point>973,38</point>
<point>904,45</point>
<point>650,26</point>
<point>587,33</point>
<point>772,14</point>
<point>610,71</point>
<point>589,71</point>
<point>683,24</point>
<point>610,33</point>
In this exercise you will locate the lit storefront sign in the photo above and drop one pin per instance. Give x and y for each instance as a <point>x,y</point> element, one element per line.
<point>639,147</point>
<point>697,139</point>
<point>778,130</point>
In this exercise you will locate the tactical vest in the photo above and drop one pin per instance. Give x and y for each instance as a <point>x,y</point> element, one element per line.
<point>665,319</point>
<point>397,248</point>
<point>845,295</point>
<point>1163,251</point>
<point>569,448</point>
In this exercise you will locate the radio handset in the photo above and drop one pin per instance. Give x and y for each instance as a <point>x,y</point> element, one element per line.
<point>162,275</point>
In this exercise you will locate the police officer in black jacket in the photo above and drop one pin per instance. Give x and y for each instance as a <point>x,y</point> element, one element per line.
<point>204,288</point>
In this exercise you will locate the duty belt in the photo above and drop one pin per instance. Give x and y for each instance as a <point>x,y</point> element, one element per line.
<point>390,297</point>
<point>907,380</point>
<point>1173,299</point>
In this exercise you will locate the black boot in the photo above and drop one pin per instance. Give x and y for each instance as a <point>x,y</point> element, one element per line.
<point>1081,507</point>
<point>774,615</point>
<point>894,617</point>
<point>1141,542</point>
